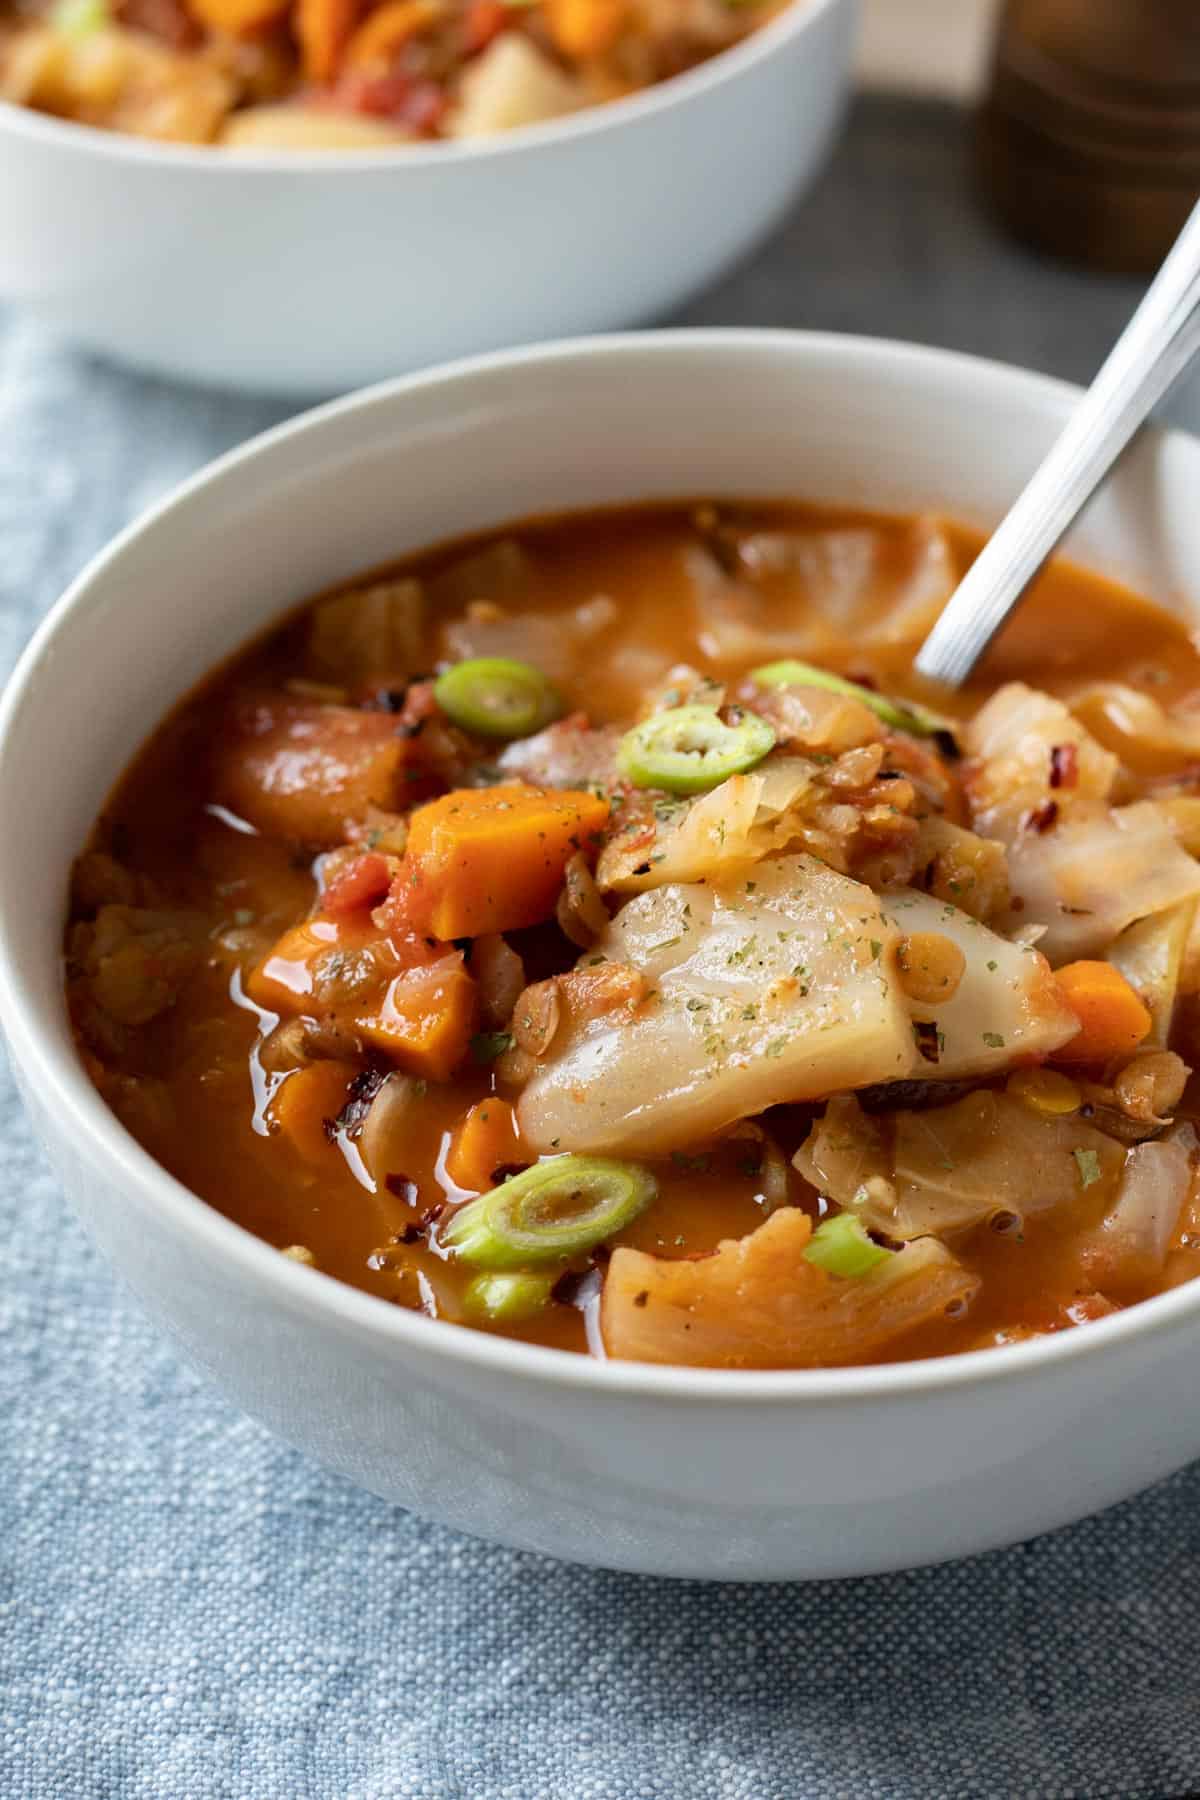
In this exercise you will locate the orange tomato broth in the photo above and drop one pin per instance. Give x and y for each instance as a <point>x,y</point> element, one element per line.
<point>190,1089</point>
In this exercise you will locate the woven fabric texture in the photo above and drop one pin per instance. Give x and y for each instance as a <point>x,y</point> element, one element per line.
<point>192,1611</point>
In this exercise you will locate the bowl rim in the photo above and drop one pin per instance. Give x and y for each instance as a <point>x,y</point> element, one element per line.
<point>59,1077</point>
<point>664,96</point>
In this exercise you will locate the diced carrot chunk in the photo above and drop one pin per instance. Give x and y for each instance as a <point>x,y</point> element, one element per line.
<point>492,859</point>
<point>426,1019</point>
<point>487,1139</point>
<point>1112,1019</point>
<point>383,31</point>
<point>283,981</point>
<point>323,27</point>
<point>584,27</point>
<point>236,17</point>
<point>333,965</point>
<point>306,1100</point>
<point>359,886</point>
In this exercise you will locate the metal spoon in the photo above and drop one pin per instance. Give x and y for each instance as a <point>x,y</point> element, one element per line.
<point>1154,349</point>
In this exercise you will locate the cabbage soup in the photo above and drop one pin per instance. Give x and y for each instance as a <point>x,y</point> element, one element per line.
<point>596,934</point>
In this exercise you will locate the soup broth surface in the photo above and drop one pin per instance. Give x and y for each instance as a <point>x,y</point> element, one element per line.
<point>198,870</point>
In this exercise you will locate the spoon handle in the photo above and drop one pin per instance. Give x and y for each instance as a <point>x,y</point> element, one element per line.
<point>1154,349</point>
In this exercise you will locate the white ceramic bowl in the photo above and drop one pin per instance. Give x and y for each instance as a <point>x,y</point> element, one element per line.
<point>314,273</point>
<point>666,1470</point>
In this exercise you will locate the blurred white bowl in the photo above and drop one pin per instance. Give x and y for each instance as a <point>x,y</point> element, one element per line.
<point>673,1471</point>
<point>312,273</point>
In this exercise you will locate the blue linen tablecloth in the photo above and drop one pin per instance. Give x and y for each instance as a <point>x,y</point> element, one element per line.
<point>192,1611</point>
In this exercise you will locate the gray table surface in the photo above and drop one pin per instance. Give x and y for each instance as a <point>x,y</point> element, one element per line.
<point>191,1611</point>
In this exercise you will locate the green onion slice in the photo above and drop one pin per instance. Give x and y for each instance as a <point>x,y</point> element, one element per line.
<point>79,18</point>
<point>507,1299</point>
<point>905,715</point>
<point>556,1210</point>
<point>842,1247</point>
<point>497,697</point>
<point>690,749</point>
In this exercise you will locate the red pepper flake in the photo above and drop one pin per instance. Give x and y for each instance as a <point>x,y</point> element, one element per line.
<point>1043,818</point>
<point>1064,766</point>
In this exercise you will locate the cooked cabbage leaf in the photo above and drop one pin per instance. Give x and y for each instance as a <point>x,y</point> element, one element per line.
<point>758,1304</point>
<point>1007,1006</point>
<point>768,989</point>
<point>1128,1249</point>
<point>1149,955</point>
<point>1013,772</point>
<point>940,1170</point>
<point>1090,877</point>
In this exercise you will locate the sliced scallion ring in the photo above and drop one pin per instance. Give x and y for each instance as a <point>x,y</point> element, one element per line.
<point>905,715</point>
<point>842,1247</point>
<point>690,749</point>
<point>506,1298</point>
<point>497,697</point>
<point>549,1213</point>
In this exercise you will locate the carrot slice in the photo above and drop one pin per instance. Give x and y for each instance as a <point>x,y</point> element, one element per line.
<point>584,27</point>
<point>1112,1019</point>
<point>283,981</point>
<point>383,32</point>
<point>426,1019</point>
<point>323,26</point>
<point>237,17</point>
<point>492,859</point>
<point>307,1099</point>
<point>487,1139</point>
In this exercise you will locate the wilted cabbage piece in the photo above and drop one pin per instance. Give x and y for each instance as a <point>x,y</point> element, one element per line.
<point>769,989</point>
<point>821,591</point>
<point>1150,956</point>
<point>962,868</point>
<point>1029,754</point>
<point>713,837</point>
<point>373,632</point>
<point>911,1174</point>
<point>836,810</point>
<point>1148,739</point>
<point>758,1304</point>
<point>554,642</point>
<point>1006,1007</point>
<point>1128,1249</point>
<point>1090,877</point>
<point>568,754</point>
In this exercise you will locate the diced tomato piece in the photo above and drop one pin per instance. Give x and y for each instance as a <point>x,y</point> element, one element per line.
<point>360,885</point>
